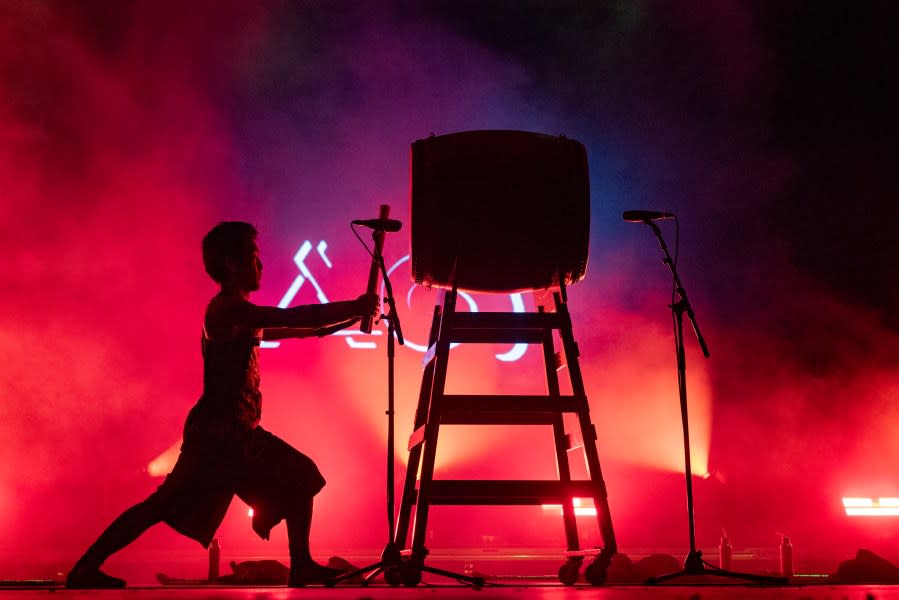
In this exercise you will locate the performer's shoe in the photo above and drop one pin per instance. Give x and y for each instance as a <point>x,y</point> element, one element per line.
<point>310,573</point>
<point>92,579</point>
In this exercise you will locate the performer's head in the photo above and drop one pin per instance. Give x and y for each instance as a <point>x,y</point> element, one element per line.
<point>231,257</point>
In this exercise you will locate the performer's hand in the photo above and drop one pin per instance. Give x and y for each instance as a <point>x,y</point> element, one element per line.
<point>368,305</point>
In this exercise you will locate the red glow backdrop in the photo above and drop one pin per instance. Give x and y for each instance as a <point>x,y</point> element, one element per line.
<point>127,131</point>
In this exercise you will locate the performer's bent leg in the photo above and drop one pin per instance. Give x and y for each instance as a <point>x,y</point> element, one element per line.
<point>304,570</point>
<point>299,524</point>
<point>121,532</point>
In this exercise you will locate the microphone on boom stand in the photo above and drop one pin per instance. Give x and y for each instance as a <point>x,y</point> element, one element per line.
<point>642,216</point>
<point>380,224</point>
<point>375,269</point>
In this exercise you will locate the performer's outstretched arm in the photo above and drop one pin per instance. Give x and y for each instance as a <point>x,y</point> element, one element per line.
<point>280,333</point>
<point>243,313</point>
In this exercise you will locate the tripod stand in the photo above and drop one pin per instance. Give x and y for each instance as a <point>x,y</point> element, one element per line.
<point>396,570</point>
<point>391,560</point>
<point>694,565</point>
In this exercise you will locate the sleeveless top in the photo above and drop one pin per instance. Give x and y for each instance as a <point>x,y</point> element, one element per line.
<point>231,404</point>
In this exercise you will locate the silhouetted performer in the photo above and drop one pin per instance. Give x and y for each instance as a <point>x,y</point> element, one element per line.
<point>225,451</point>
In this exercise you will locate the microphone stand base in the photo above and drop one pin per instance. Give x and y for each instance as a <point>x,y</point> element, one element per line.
<point>400,572</point>
<point>694,566</point>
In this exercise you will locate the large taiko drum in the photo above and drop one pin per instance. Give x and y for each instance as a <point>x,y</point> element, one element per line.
<point>499,211</point>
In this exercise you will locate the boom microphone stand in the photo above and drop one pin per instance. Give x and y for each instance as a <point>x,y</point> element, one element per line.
<point>391,559</point>
<point>694,565</point>
<point>396,571</point>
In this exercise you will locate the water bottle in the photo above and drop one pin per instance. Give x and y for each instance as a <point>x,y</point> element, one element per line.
<point>725,552</point>
<point>786,556</point>
<point>215,555</point>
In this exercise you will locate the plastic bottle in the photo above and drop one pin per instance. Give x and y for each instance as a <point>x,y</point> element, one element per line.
<point>215,555</point>
<point>725,552</point>
<point>786,556</point>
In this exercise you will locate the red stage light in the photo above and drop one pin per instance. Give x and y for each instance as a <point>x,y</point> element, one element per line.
<point>583,507</point>
<point>869,507</point>
<point>162,464</point>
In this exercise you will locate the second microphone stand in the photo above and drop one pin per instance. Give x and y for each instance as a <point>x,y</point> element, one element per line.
<point>694,565</point>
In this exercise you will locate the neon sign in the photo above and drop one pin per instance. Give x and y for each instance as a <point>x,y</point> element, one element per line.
<point>350,335</point>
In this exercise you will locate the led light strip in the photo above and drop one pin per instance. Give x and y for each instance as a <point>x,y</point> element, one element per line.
<point>869,507</point>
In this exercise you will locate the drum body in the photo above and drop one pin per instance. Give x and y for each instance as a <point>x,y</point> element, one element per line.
<point>499,211</point>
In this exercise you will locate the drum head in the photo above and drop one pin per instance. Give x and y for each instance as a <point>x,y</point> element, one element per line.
<point>499,211</point>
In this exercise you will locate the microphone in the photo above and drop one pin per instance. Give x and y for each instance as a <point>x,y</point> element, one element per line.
<point>388,225</point>
<point>639,216</point>
<point>381,225</point>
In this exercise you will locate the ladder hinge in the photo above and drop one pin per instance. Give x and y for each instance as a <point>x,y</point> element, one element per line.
<point>559,361</point>
<point>572,442</point>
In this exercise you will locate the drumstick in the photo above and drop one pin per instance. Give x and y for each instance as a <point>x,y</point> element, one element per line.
<point>374,271</point>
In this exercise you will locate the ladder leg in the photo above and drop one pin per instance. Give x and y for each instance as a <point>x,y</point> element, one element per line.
<point>568,516</point>
<point>561,441</point>
<point>409,497</point>
<point>588,431</point>
<point>432,428</point>
<point>421,416</point>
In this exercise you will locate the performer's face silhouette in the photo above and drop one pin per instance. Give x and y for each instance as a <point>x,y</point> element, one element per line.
<point>247,270</point>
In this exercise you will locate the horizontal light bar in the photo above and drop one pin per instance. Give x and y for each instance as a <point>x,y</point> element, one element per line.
<point>868,507</point>
<point>876,511</point>
<point>857,502</point>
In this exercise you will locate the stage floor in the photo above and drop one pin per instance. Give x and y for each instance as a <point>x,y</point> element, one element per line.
<point>452,592</point>
<point>520,576</point>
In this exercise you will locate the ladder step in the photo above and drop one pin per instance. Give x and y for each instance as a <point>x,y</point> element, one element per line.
<point>455,417</point>
<point>505,320</point>
<point>451,404</point>
<point>509,492</point>
<point>496,336</point>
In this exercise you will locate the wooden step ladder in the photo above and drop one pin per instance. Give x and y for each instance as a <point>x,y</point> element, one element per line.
<point>435,408</point>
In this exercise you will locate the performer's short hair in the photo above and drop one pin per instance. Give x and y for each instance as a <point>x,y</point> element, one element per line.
<point>228,239</point>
